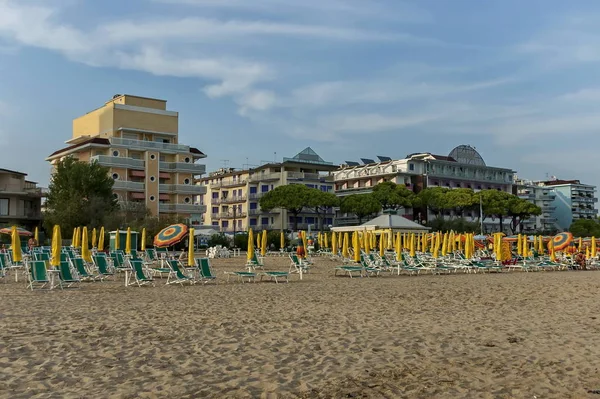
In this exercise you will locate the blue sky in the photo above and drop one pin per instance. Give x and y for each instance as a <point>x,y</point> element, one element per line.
<point>257,80</point>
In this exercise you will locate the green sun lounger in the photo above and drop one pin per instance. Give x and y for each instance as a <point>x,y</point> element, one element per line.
<point>176,275</point>
<point>68,277</point>
<point>79,265</point>
<point>275,276</point>
<point>251,276</point>
<point>205,271</point>
<point>104,269</point>
<point>38,275</point>
<point>139,277</point>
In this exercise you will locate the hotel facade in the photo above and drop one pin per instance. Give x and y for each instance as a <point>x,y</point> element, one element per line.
<point>20,200</point>
<point>137,138</point>
<point>232,196</point>
<point>462,168</point>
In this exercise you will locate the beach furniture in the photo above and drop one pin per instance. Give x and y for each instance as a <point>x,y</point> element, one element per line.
<point>139,276</point>
<point>38,276</point>
<point>275,276</point>
<point>79,265</point>
<point>3,268</point>
<point>250,276</point>
<point>205,271</point>
<point>297,265</point>
<point>151,255</point>
<point>256,262</point>
<point>349,270</point>
<point>176,274</point>
<point>68,277</point>
<point>104,269</point>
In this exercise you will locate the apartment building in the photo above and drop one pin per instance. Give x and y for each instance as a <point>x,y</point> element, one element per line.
<point>20,200</point>
<point>137,138</point>
<point>462,168</point>
<point>573,201</point>
<point>541,196</point>
<point>232,196</point>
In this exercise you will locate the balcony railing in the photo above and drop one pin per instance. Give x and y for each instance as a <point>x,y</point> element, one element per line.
<point>232,200</point>
<point>195,168</point>
<point>253,212</point>
<point>309,176</point>
<point>123,162</point>
<point>182,188</point>
<point>265,176</point>
<point>255,196</point>
<point>181,208</point>
<point>233,183</point>
<point>230,215</point>
<point>128,185</point>
<point>149,145</point>
<point>30,215</point>
<point>261,227</point>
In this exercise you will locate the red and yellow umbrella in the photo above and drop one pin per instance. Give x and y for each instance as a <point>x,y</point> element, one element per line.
<point>562,241</point>
<point>20,231</point>
<point>171,235</point>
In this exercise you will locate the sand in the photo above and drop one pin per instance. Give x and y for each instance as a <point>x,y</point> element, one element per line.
<point>512,335</point>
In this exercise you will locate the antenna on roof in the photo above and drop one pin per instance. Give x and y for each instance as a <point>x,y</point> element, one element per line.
<point>274,156</point>
<point>225,163</point>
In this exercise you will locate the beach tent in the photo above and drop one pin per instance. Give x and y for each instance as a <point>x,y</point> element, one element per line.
<point>386,222</point>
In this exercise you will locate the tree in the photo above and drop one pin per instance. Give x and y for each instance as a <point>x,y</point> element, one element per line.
<point>459,200</point>
<point>80,194</point>
<point>361,205</point>
<point>393,196</point>
<point>320,201</point>
<point>291,197</point>
<point>585,228</point>
<point>432,199</point>
<point>519,210</point>
<point>495,204</point>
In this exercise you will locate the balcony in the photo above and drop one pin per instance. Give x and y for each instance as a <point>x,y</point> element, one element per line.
<point>232,200</point>
<point>194,168</point>
<point>233,183</point>
<point>181,208</point>
<point>14,189</point>
<point>128,185</point>
<point>182,188</point>
<point>148,145</point>
<point>254,212</point>
<point>230,215</point>
<point>265,177</point>
<point>309,176</point>
<point>120,162</point>
<point>255,196</point>
<point>27,215</point>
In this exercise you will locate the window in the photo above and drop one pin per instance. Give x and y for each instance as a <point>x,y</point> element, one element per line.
<point>310,220</point>
<point>115,176</point>
<point>187,160</point>
<point>115,153</point>
<point>253,205</point>
<point>186,181</point>
<point>4,206</point>
<point>252,222</point>
<point>225,223</point>
<point>329,221</point>
<point>215,223</point>
<point>411,166</point>
<point>215,195</point>
<point>186,200</point>
<point>253,190</point>
<point>152,178</point>
<point>215,209</point>
<point>152,198</point>
<point>264,221</point>
<point>152,157</point>
<point>264,189</point>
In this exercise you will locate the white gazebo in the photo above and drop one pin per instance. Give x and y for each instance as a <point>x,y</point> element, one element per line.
<point>386,222</point>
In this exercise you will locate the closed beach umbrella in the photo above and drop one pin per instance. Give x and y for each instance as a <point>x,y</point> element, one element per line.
<point>304,243</point>
<point>580,244</point>
<point>593,247</point>
<point>78,237</point>
<point>326,241</point>
<point>250,252</point>
<point>117,236</point>
<point>334,244</point>
<point>356,243</point>
<point>94,238</point>
<point>15,243</point>
<point>552,251</point>
<point>587,252</point>
<point>281,240</point>
<point>263,242</point>
<point>412,245</point>
<point>373,242</point>
<point>320,239</point>
<point>128,241</point>
<point>191,262</point>
<point>445,244</point>
<point>436,245</point>
<point>74,239</point>
<point>419,240</point>
<point>398,247</point>
<point>36,236</point>
<point>258,240</point>
<point>345,251</point>
<point>143,246</point>
<point>85,250</point>
<point>56,244</point>
<point>540,247</point>
<point>519,245</point>
<point>382,245</point>
<point>101,239</point>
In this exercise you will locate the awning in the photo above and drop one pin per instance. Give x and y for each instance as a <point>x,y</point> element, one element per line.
<point>164,175</point>
<point>138,195</point>
<point>164,197</point>
<point>137,173</point>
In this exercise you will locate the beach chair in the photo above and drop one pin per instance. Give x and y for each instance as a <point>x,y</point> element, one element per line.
<point>104,269</point>
<point>250,276</point>
<point>176,275</point>
<point>275,276</point>
<point>205,271</point>
<point>79,265</point>
<point>150,254</point>
<point>297,265</point>
<point>349,270</point>
<point>139,277</point>
<point>3,268</point>
<point>256,262</point>
<point>38,276</point>
<point>68,277</point>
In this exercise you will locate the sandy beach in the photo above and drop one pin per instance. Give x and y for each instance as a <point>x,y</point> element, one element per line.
<point>511,335</point>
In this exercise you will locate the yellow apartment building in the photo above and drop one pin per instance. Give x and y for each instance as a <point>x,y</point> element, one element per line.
<point>20,200</point>
<point>137,139</point>
<point>232,196</point>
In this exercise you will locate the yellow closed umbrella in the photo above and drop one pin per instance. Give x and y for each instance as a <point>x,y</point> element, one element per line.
<point>580,244</point>
<point>250,252</point>
<point>56,244</point>
<point>281,240</point>
<point>15,243</point>
<point>94,238</point>
<point>79,237</point>
<point>382,245</point>
<point>263,242</point>
<point>436,246</point>
<point>128,241</point>
<point>326,241</point>
<point>587,252</point>
<point>191,262</point>
<point>412,245</point>
<point>304,243</point>
<point>593,250</point>
<point>334,244</point>
<point>519,245</point>
<point>445,245</point>
<point>74,239</point>
<point>143,245</point>
<point>117,239</point>
<point>356,244</point>
<point>258,241</point>
<point>398,247</point>
<point>36,236</point>
<point>345,251</point>
<point>320,240</point>
<point>101,239</point>
<point>419,242</point>
<point>85,250</point>
<point>552,253</point>
<point>367,242</point>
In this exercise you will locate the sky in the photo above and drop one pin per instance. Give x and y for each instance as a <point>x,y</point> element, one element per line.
<point>257,80</point>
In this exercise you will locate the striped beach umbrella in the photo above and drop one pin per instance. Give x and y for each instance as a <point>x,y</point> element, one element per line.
<point>562,241</point>
<point>170,235</point>
<point>20,231</point>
